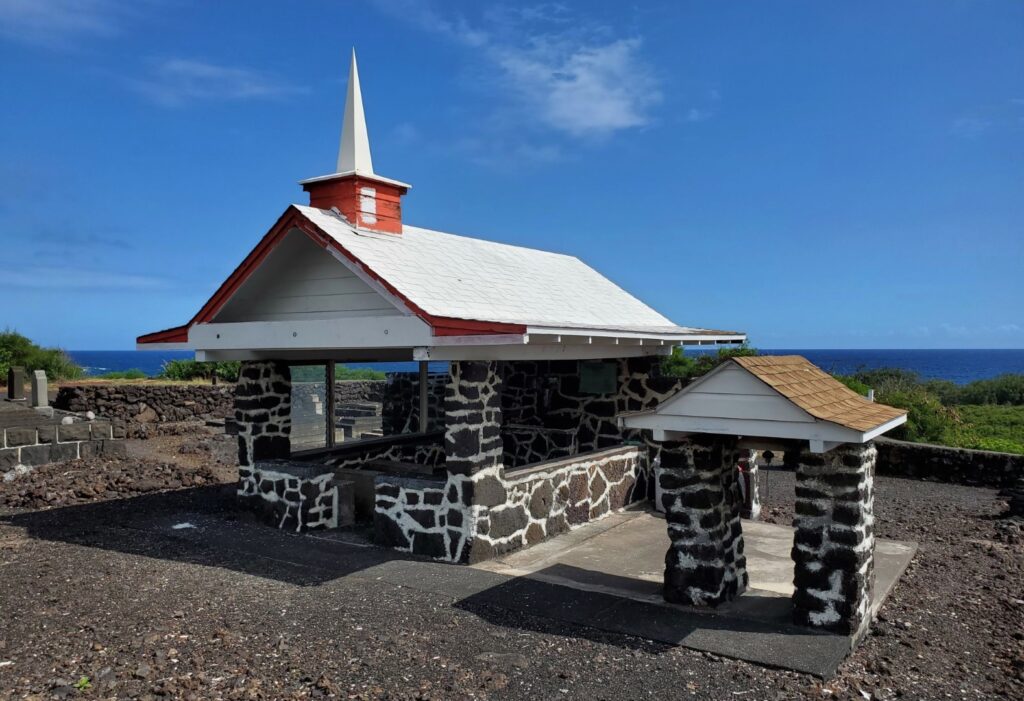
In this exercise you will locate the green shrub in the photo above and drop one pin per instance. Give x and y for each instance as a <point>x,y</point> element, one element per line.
<point>854,384</point>
<point>888,380</point>
<point>318,373</point>
<point>343,372</point>
<point>679,364</point>
<point>132,374</point>
<point>185,370</point>
<point>16,349</point>
<point>928,420</point>
<point>1005,389</point>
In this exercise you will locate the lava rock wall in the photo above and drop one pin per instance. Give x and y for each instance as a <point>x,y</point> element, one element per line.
<point>294,497</point>
<point>400,393</point>
<point>147,403</point>
<point>941,463</point>
<point>429,451</point>
<point>546,415</point>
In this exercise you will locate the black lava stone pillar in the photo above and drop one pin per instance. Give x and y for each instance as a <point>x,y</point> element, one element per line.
<point>705,564</point>
<point>835,543</point>
<point>474,453</point>
<point>263,404</point>
<point>472,406</point>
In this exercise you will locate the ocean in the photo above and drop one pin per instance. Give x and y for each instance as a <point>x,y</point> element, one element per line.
<point>960,366</point>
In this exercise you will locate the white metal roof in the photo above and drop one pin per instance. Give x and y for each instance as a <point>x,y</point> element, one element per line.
<point>466,278</point>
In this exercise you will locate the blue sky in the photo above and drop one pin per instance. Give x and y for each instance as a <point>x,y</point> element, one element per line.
<point>819,175</point>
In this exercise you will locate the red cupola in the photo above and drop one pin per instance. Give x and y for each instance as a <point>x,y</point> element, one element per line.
<point>366,199</point>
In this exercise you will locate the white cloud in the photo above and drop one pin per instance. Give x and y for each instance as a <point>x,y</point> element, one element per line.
<point>559,72</point>
<point>71,278</point>
<point>54,23</point>
<point>583,90</point>
<point>177,81</point>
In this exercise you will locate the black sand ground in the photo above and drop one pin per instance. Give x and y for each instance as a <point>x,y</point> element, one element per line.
<point>141,616</point>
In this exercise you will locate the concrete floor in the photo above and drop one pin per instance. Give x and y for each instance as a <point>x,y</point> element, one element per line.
<point>623,555</point>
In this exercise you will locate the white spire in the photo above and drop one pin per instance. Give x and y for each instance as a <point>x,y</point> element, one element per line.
<point>354,153</point>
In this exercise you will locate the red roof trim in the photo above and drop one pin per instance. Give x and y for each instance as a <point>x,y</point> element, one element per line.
<point>462,327</point>
<point>293,219</point>
<point>178,334</point>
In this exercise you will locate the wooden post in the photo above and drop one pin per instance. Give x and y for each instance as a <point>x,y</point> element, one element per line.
<point>329,408</point>
<point>423,396</point>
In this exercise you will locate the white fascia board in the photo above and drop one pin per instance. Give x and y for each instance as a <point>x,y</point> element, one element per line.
<point>535,352</point>
<point>887,426</point>
<point>184,345</point>
<point>608,334</point>
<point>341,333</point>
<point>819,430</point>
<point>359,173</point>
<point>341,355</point>
<point>498,339</point>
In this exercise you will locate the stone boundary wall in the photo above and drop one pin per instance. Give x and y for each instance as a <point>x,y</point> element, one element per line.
<point>475,518</point>
<point>29,446</point>
<point>944,464</point>
<point>147,403</point>
<point>359,391</point>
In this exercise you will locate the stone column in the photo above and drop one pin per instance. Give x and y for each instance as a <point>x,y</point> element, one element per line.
<point>835,543</point>
<point>705,564</point>
<point>263,401</point>
<point>473,454</point>
<point>472,405</point>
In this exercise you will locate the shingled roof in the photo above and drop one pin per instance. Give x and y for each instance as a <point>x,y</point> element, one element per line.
<point>818,393</point>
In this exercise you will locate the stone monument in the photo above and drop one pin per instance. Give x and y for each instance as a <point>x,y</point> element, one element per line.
<point>16,382</point>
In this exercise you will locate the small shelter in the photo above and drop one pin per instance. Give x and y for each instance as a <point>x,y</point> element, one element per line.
<point>824,431</point>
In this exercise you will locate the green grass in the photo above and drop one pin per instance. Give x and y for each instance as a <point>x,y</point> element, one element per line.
<point>988,427</point>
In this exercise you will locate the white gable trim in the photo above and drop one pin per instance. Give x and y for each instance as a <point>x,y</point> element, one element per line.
<point>365,332</point>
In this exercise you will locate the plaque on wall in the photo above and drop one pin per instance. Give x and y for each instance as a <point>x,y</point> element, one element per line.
<point>598,377</point>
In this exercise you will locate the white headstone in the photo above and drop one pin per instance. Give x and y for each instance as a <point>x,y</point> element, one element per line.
<point>40,398</point>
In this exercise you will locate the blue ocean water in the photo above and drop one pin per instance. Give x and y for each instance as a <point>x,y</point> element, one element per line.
<point>960,366</point>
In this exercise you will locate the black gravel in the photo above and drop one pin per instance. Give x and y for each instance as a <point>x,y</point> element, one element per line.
<point>141,616</point>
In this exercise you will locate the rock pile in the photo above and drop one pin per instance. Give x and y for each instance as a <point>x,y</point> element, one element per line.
<point>97,479</point>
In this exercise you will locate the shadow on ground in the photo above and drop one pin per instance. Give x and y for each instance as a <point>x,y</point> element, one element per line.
<point>204,526</point>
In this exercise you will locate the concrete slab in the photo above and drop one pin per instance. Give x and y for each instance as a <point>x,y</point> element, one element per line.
<point>622,557</point>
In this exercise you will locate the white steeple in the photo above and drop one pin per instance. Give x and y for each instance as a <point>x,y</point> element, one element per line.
<point>354,153</point>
